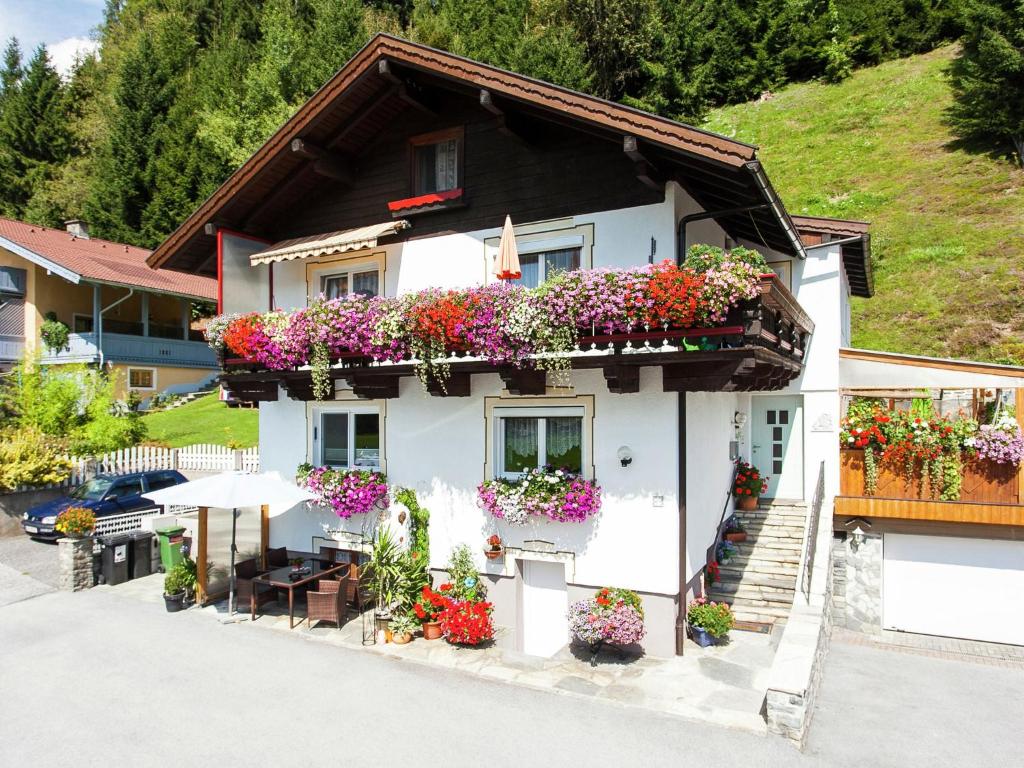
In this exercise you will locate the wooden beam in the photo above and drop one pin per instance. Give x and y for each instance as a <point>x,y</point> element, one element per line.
<point>327,163</point>
<point>407,91</point>
<point>282,191</point>
<point>523,381</point>
<point>456,385</point>
<point>264,534</point>
<point>645,170</point>
<point>622,379</point>
<point>929,509</point>
<point>201,575</point>
<point>373,386</point>
<point>487,102</point>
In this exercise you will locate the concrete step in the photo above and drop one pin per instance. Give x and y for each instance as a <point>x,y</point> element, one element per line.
<point>769,541</point>
<point>756,556</point>
<point>772,512</point>
<point>737,602</point>
<point>791,520</point>
<point>781,531</point>
<point>771,582</point>
<point>753,595</point>
<point>754,616</point>
<point>773,570</point>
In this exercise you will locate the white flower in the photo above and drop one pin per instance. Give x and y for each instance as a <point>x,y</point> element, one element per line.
<point>559,472</point>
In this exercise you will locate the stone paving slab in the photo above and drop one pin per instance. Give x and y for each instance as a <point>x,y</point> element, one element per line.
<point>723,685</point>
<point>993,654</point>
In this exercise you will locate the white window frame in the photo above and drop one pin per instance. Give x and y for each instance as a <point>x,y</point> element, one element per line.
<point>140,368</point>
<point>349,273</point>
<point>540,412</point>
<point>316,433</point>
<point>549,246</point>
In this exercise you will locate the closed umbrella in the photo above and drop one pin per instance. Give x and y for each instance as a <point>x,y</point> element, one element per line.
<point>506,263</point>
<point>231,490</point>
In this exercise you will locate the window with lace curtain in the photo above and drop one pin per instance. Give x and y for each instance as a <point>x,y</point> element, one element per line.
<point>436,161</point>
<point>527,438</point>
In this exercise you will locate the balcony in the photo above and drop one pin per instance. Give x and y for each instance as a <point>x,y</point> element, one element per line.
<point>760,347</point>
<point>129,348</point>
<point>12,348</point>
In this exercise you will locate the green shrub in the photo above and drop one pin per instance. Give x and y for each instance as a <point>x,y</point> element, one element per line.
<point>55,334</point>
<point>28,457</point>
<point>702,257</point>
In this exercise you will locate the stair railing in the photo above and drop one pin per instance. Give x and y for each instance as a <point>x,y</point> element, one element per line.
<point>811,542</point>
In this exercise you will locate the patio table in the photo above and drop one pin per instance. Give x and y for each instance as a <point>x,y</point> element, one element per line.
<point>281,578</point>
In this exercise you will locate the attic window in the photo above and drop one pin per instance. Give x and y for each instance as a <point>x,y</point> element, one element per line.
<point>436,161</point>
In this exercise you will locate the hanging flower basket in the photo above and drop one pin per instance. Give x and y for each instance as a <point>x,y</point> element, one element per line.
<point>540,493</point>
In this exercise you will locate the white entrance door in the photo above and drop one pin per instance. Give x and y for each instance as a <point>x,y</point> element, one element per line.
<point>777,444</point>
<point>545,603</point>
<point>940,585</point>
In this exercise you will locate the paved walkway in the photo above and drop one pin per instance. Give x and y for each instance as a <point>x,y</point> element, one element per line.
<point>993,654</point>
<point>722,685</point>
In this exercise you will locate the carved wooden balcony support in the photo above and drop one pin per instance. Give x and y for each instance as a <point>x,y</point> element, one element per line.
<point>457,385</point>
<point>622,379</point>
<point>523,381</point>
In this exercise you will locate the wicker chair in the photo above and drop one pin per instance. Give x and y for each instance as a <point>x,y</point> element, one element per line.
<point>277,558</point>
<point>328,602</point>
<point>245,572</point>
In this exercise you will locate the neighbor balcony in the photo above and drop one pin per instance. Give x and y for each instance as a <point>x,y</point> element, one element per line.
<point>136,349</point>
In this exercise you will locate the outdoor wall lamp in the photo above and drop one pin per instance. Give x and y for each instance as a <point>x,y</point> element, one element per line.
<point>857,534</point>
<point>625,455</point>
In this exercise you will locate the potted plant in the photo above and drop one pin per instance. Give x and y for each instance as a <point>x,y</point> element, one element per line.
<point>748,486</point>
<point>402,627</point>
<point>76,522</point>
<point>174,590</point>
<point>494,549</point>
<point>385,574</point>
<point>708,622</point>
<point>612,616</point>
<point>725,552</point>
<point>466,622</point>
<point>734,530</point>
<point>429,607</point>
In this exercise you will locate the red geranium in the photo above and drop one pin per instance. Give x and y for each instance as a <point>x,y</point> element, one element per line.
<point>467,623</point>
<point>241,334</point>
<point>431,604</point>
<point>673,294</point>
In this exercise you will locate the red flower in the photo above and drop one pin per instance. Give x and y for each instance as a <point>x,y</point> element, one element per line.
<point>419,611</point>
<point>445,587</point>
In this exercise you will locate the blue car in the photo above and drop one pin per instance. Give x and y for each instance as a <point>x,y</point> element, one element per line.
<point>104,495</point>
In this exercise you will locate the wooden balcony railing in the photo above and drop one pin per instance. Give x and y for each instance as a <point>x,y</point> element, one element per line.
<point>760,347</point>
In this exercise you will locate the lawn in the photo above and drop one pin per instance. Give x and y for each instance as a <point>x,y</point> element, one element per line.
<point>205,420</point>
<point>947,224</point>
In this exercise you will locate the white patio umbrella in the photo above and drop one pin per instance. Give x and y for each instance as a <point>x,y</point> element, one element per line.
<point>506,262</point>
<point>231,490</point>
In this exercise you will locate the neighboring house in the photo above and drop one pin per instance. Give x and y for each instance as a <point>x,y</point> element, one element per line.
<point>123,315</point>
<point>397,176</point>
<point>903,562</point>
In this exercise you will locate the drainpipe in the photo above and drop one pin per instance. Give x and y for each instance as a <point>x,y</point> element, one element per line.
<point>99,325</point>
<point>681,229</point>
<point>681,501</point>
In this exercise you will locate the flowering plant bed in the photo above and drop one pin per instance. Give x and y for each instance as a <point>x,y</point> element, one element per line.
<point>467,622</point>
<point>75,522</point>
<point>546,492</point>
<point>347,492</point>
<point>930,451</point>
<point>612,615</point>
<point>502,323</point>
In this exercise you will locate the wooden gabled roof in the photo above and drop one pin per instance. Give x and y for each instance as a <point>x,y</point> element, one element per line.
<point>722,174</point>
<point>856,249</point>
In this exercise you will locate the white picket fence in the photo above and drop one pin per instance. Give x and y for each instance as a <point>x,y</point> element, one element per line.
<point>146,458</point>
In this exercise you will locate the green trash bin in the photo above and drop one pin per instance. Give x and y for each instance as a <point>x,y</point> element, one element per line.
<point>171,539</point>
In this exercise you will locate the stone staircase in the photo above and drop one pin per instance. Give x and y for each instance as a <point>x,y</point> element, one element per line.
<point>189,397</point>
<point>760,582</point>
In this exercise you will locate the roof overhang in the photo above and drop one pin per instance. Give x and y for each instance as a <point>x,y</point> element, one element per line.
<point>328,244</point>
<point>854,241</point>
<point>717,171</point>
<point>864,370</point>
<point>41,261</point>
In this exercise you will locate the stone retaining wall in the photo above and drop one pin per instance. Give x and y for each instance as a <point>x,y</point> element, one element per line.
<point>857,575</point>
<point>14,505</point>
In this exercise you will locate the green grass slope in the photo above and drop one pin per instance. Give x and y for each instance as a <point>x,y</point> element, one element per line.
<point>204,420</point>
<point>947,225</point>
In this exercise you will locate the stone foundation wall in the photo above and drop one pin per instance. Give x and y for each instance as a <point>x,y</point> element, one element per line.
<point>75,559</point>
<point>857,576</point>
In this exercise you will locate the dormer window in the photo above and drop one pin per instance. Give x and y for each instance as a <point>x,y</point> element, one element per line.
<point>436,161</point>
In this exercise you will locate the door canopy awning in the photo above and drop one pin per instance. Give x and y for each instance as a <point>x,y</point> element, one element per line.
<point>328,243</point>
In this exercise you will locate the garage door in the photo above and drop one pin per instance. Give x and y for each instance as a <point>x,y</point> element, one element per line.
<point>969,588</point>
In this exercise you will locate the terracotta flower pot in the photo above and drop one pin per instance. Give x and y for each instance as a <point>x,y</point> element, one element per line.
<point>747,503</point>
<point>736,537</point>
<point>493,554</point>
<point>431,630</point>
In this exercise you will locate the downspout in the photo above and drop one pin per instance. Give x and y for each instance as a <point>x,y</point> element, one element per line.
<point>681,499</point>
<point>685,220</point>
<point>99,330</point>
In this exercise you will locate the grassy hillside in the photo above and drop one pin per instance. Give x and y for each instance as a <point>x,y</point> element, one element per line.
<point>947,225</point>
<point>205,420</point>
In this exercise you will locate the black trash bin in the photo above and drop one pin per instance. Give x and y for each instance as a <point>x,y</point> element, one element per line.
<point>140,554</point>
<point>115,558</point>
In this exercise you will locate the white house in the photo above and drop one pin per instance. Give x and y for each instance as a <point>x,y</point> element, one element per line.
<point>397,176</point>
